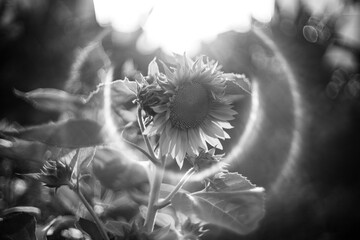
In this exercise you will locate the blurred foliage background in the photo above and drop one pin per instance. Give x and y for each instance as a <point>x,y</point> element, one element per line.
<point>40,42</point>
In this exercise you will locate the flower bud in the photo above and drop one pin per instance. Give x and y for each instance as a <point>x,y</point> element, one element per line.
<point>53,174</point>
<point>206,160</point>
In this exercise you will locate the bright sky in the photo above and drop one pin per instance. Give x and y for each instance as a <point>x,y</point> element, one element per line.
<point>181,25</point>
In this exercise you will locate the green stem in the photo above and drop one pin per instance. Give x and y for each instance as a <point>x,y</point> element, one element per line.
<point>93,214</point>
<point>153,199</point>
<point>180,184</point>
<point>157,180</point>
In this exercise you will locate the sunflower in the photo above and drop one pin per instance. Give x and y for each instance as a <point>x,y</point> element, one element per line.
<point>193,109</point>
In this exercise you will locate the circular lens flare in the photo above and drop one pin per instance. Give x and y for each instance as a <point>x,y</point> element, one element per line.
<point>248,142</point>
<point>252,135</point>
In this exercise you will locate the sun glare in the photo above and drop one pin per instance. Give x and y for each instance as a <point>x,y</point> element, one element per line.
<point>124,16</point>
<point>181,26</point>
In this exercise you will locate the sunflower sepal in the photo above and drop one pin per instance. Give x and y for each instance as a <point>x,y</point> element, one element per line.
<point>153,68</point>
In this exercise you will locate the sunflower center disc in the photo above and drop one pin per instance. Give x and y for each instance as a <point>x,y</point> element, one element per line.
<point>190,106</point>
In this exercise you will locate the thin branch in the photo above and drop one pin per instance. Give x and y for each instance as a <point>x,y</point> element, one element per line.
<point>98,222</point>
<point>154,196</point>
<point>180,184</point>
<point>153,160</point>
<point>146,138</point>
<point>159,174</point>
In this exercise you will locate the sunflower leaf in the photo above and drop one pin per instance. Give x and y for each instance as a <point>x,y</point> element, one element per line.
<point>67,134</point>
<point>79,159</point>
<point>117,228</point>
<point>230,181</point>
<point>114,170</point>
<point>49,99</point>
<point>237,205</point>
<point>121,91</point>
<point>237,84</point>
<point>24,151</point>
<point>166,189</point>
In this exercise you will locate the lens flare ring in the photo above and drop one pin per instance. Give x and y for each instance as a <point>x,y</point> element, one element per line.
<point>248,140</point>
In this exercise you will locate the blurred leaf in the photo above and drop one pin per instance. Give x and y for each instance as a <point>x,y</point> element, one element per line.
<point>30,155</point>
<point>54,228</point>
<point>85,70</point>
<point>86,156</point>
<point>67,134</point>
<point>18,226</point>
<point>162,219</point>
<point>117,228</point>
<point>121,91</point>
<point>23,209</point>
<point>122,206</point>
<point>163,233</point>
<point>237,204</point>
<point>166,189</point>
<point>24,151</point>
<point>71,158</point>
<point>68,199</point>
<point>81,160</point>
<point>128,68</point>
<point>237,84</point>
<point>90,228</point>
<point>115,171</point>
<point>49,99</point>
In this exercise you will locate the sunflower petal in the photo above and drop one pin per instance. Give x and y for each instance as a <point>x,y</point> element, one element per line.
<point>159,124</point>
<point>172,140</point>
<point>224,111</point>
<point>225,125</point>
<point>176,139</point>
<point>200,139</point>
<point>194,140</point>
<point>220,132</point>
<point>180,161</point>
<point>215,142</point>
<point>221,117</point>
<point>183,148</point>
<point>163,141</point>
<point>164,144</point>
<point>212,129</point>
